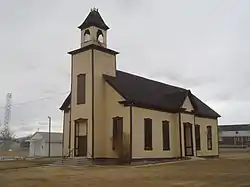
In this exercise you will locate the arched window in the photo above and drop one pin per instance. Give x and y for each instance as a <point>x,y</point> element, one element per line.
<point>86,36</point>
<point>99,36</point>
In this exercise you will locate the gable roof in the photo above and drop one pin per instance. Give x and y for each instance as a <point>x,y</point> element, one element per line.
<point>66,102</point>
<point>55,137</point>
<point>94,19</point>
<point>239,127</point>
<point>151,94</point>
<point>155,95</point>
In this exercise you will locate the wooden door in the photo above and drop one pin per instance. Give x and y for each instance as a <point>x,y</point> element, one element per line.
<point>82,146</point>
<point>188,139</point>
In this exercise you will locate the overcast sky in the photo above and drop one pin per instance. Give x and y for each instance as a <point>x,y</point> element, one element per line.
<point>202,45</point>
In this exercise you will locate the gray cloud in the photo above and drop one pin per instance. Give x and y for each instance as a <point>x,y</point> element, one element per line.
<point>200,45</point>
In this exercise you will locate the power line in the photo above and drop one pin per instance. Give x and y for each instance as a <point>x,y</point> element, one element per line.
<point>35,100</point>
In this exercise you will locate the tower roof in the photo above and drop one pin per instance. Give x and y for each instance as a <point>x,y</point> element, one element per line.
<point>94,19</point>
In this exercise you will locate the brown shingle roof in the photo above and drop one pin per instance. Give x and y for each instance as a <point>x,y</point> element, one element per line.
<point>155,95</point>
<point>94,19</point>
<point>151,94</point>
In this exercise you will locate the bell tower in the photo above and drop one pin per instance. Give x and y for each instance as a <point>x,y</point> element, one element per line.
<point>93,30</point>
<point>88,65</point>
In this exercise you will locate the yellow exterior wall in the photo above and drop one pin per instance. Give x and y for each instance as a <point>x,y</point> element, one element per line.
<point>138,134</point>
<point>187,118</point>
<point>66,119</point>
<point>104,63</point>
<point>81,63</point>
<point>204,122</point>
<point>114,109</point>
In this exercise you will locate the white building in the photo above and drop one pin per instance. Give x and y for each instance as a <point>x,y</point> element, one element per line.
<point>39,144</point>
<point>234,134</point>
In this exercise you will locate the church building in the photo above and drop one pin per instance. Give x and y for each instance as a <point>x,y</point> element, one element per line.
<point>112,114</point>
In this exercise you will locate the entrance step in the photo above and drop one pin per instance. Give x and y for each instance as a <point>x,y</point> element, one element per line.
<point>197,158</point>
<point>77,161</point>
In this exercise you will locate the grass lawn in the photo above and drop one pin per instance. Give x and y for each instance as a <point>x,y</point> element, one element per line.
<point>228,171</point>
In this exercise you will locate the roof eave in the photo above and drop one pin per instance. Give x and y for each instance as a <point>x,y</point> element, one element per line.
<point>150,107</point>
<point>93,46</point>
<point>85,26</point>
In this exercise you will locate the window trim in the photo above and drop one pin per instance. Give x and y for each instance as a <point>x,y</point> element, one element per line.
<point>197,140</point>
<point>148,122</point>
<point>81,100</point>
<point>165,145</point>
<point>114,132</point>
<point>209,138</point>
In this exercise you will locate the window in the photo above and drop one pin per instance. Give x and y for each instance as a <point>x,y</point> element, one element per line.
<point>197,137</point>
<point>148,134</point>
<point>100,36</point>
<point>117,132</point>
<point>81,80</point>
<point>209,137</point>
<point>165,135</point>
<point>87,36</point>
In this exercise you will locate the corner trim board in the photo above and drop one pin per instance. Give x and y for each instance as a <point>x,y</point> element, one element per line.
<point>180,135</point>
<point>131,132</point>
<point>93,110</point>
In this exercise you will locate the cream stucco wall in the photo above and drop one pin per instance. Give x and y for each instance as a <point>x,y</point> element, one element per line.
<point>138,134</point>
<point>81,64</point>
<point>104,63</point>
<point>187,118</point>
<point>114,109</point>
<point>204,122</point>
<point>66,119</point>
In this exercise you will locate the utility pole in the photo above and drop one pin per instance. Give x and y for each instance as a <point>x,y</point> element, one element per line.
<point>49,133</point>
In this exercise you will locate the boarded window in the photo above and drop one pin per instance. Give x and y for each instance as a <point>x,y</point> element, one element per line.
<point>197,137</point>
<point>81,88</point>
<point>209,138</point>
<point>148,134</point>
<point>117,132</point>
<point>165,135</point>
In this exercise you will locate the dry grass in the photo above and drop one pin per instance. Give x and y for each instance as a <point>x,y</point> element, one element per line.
<point>11,153</point>
<point>224,172</point>
<point>17,164</point>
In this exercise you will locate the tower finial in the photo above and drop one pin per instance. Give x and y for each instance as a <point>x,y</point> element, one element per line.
<point>94,9</point>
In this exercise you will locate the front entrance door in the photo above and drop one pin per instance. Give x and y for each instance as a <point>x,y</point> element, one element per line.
<point>81,136</point>
<point>82,143</point>
<point>188,139</point>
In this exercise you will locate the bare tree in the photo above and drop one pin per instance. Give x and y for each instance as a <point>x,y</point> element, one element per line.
<point>6,134</point>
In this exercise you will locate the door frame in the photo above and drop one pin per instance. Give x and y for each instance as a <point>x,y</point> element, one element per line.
<point>76,136</point>
<point>186,126</point>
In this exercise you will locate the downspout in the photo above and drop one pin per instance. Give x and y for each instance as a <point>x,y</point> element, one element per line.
<point>180,135</point>
<point>131,131</point>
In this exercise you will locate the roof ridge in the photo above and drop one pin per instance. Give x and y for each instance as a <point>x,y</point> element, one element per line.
<point>148,79</point>
<point>244,124</point>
